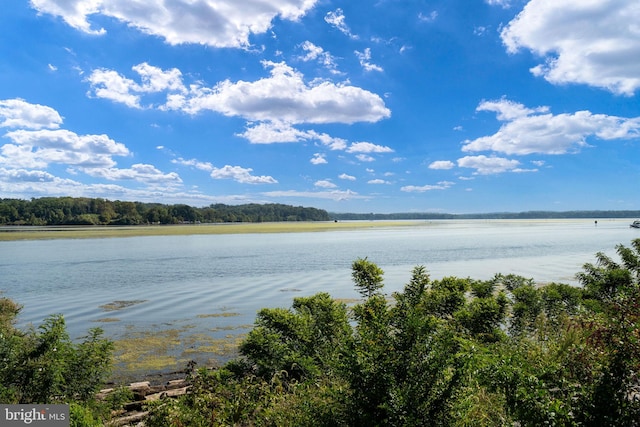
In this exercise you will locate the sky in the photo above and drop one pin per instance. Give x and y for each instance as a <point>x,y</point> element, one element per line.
<point>385,106</point>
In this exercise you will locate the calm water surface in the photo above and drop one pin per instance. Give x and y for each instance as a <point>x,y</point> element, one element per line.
<point>194,278</point>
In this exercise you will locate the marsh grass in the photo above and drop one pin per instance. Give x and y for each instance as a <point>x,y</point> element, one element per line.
<point>94,232</point>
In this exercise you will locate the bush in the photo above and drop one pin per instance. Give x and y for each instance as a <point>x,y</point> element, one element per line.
<point>45,366</point>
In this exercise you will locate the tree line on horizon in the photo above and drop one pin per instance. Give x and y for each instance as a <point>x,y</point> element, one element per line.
<point>590,214</point>
<point>96,211</point>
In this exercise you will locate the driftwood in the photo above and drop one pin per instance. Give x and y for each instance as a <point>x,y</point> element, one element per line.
<point>143,393</point>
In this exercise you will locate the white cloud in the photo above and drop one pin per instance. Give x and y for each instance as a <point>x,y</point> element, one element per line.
<point>40,143</point>
<point>278,132</point>
<point>325,183</point>
<point>138,172</point>
<point>430,17</point>
<point>219,23</point>
<point>595,42</point>
<point>528,131</point>
<point>442,165</point>
<point>365,158</point>
<point>368,147</point>
<point>109,84</point>
<point>365,61</point>
<point>347,177</point>
<point>316,53</point>
<point>39,148</point>
<point>336,195</point>
<point>17,113</point>
<point>442,185</point>
<point>377,181</point>
<point>204,166</point>
<point>488,165</point>
<point>337,19</point>
<point>273,132</point>
<point>318,159</point>
<point>505,4</point>
<point>241,175</point>
<point>283,97</point>
<point>25,184</point>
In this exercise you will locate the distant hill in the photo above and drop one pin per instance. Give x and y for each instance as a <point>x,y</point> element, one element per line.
<point>495,215</point>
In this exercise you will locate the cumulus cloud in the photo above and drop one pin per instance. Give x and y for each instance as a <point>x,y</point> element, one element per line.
<point>377,181</point>
<point>325,183</point>
<point>109,84</point>
<point>528,131</point>
<point>594,42</point>
<point>241,175</point>
<point>236,173</point>
<point>278,132</point>
<point>365,158</point>
<point>318,159</point>
<point>347,177</point>
<point>442,185</point>
<point>282,97</point>
<point>39,148</point>
<point>488,165</point>
<point>39,143</point>
<point>17,113</point>
<point>138,172</point>
<point>219,23</point>
<point>442,165</point>
<point>368,147</point>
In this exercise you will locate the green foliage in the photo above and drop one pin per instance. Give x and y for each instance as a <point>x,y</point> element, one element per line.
<point>303,342</point>
<point>86,211</point>
<point>449,352</point>
<point>367,277</point>
<point>45,366</point>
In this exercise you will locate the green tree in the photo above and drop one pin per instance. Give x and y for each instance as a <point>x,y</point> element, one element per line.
<point>367,277</point>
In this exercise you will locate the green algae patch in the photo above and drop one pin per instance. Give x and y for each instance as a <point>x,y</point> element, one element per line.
<point>148,350</point>
<point>222,347</point>
<point>107,320</point>
<point>171,349</point>
<point>119,305</point>
<point>225,314</point>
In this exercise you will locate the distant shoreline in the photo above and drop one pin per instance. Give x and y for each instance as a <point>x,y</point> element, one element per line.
<point>13,233</point>
<point>26,232</point>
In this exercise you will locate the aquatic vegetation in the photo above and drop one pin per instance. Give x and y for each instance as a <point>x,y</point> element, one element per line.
<point>119,305</point>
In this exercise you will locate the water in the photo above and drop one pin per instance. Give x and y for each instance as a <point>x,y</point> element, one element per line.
<point>196,279</point>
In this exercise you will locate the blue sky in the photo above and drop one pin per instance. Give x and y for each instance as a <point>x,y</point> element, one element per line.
<point>457,106</point>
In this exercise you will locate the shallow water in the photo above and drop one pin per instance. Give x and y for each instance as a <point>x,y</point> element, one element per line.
<point>195,279</point>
